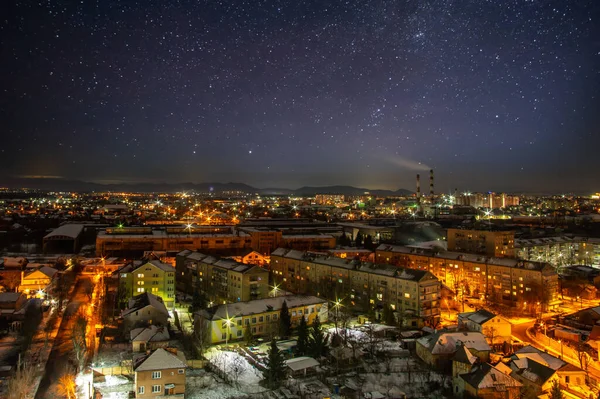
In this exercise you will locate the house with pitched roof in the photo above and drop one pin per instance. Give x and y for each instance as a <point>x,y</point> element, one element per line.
<point>438,349</point>
<point>487,382</point>
<point>536,377</point>
<point>144,310</point>
<point>160,374</point>
<point>566,373</point>
<point>462,363</point>
<point>149,338</point>
<point>39,282</point>
<point>496,328</point>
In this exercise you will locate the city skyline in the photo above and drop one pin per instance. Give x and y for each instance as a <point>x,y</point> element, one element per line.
<point>492,96</point>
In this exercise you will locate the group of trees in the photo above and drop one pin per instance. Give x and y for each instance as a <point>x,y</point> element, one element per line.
<point>361,240</point>
<point>312,341</point>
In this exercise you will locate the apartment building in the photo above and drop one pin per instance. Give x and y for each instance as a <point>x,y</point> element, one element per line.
<point>222,280</point>
<point>489,243</point>
<point>154,277</point>
<point>505,281</point>
<point>413,294</point>
<point>560,251</point>
<point>228,322</point>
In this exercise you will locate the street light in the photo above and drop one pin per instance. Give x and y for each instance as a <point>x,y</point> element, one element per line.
<point>227,329</point>
<point>336,306</point>
<point>561,348</point>
<point>275,290</point>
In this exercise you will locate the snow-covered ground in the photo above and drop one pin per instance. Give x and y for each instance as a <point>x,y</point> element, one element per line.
<point>203,385</point>
<point>237,369</point>
<point>114,387</point>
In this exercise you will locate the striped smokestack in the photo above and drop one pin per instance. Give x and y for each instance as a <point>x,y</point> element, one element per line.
<point>419,187</point>
<point>431,183</point>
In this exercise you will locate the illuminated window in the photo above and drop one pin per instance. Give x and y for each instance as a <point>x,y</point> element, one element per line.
<point>406,295</point>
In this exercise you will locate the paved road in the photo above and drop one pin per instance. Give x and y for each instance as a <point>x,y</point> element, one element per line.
<point>61,358</point>
<point>542,342</point>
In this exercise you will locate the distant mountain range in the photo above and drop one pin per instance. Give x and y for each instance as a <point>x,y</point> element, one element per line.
<point>58,184</point>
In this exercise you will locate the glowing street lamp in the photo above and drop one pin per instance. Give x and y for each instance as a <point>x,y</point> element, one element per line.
<point>275,290</point>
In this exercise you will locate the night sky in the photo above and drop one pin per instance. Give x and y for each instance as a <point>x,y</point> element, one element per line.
<point>493,95</point>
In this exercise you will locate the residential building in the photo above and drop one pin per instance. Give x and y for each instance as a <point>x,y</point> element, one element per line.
<point>498,244</point>
<point>220,279</point>
<point>12,306</point>
<point>487,382</point>
<point>497,329</point>
<point>538,370</point>
<point>529,285</point>
<point>149,338</point>
<point>438,349</point>
<point>560,251</point>
<point>228,322</point>
<point>161,374</point>
<point>38,283</point>
<point>153,276</point>
<point>412,294</point>
<point>17,263</point>
<point>145,310</point>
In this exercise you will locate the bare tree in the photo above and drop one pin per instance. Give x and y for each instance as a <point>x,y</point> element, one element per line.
<point>66,386</point>
<point>78,337</point>
<point>11,280</point>
<point>235,369</point>
<point>490,333</point>
<point>201,336</point>
<point>582,356</point>
<point>19,386</point>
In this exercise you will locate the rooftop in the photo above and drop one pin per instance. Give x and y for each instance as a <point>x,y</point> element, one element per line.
<point>143,300</point>
<point>66,230</point>
<point>160,359</point>
<point>239,309</point>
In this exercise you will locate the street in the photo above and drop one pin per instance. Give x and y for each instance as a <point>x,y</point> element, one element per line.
<point>542,342</point>
<point>61,358</point>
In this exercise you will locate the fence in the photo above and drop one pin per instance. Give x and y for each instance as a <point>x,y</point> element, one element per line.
<point>196,363</point>
<point>115,370</point>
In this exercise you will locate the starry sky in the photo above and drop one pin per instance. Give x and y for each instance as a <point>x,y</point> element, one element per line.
<point>493,95</point>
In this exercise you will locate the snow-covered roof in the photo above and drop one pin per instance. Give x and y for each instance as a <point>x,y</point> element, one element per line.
<point>45,270</point>
<point>531,352</point>
<point>301,363</point>
<point>487,376</point>
<point>464,355</point>
<point>353,264</point>
<point>479,317</point>
<point>161,359</point>
<point>141,301</point>
<point>66,230</point>
<point>162,266</point>
<point>9,297</point>
<point>532,370</point>
<point>150,334</point>
<point>239,309</point>
<point>448,343</point>
<point>461,256</point>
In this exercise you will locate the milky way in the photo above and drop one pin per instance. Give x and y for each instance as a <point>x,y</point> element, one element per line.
<point>494,95</point>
